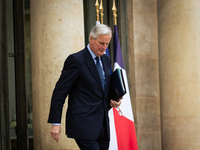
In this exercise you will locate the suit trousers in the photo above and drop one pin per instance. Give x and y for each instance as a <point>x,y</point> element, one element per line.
<point>102,143</point>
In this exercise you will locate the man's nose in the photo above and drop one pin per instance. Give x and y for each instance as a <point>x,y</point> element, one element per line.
<point>104,46</point>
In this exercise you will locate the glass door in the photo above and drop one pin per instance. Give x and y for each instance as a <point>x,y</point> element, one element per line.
<point>19,74</point>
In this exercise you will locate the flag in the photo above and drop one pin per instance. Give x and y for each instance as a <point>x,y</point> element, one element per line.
<point>122,128</point>
<point>97,23</point>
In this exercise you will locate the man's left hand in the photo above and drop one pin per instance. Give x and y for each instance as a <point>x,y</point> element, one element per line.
<point>115,103</point>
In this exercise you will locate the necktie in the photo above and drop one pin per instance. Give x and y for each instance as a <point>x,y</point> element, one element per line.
<point>99,68</point>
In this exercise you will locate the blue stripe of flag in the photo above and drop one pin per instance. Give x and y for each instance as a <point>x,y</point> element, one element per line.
<point>117,49</point>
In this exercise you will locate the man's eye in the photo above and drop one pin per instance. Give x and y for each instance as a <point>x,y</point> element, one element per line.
<point>104,43</point>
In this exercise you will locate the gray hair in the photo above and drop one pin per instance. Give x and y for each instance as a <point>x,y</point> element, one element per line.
<point>100,29</point>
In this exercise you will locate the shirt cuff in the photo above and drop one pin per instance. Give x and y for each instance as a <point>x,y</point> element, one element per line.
<point>58,124</point>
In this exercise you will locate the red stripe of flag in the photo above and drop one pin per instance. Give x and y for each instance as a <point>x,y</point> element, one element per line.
<point>125,131</point>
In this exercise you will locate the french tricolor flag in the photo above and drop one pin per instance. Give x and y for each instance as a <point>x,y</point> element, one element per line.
<point>122,128</point>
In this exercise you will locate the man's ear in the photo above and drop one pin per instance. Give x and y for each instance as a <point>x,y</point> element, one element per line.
<point>91,38</point>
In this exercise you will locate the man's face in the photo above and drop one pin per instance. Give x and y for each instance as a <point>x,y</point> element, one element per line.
<point>100,44</point>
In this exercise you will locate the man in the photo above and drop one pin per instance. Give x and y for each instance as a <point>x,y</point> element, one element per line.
<point>86,79</point>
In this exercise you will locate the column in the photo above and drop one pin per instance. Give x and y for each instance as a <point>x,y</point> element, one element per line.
<point>144,72</point>
<point>179,49</point>
<point>57,30</point>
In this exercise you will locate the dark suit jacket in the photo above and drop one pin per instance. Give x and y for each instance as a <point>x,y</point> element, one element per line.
<point>87,104</point>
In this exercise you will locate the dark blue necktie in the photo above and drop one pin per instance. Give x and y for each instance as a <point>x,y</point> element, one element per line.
<point>100,70</point>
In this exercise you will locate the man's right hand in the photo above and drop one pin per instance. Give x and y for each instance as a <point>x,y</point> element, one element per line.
<point>55,132</point>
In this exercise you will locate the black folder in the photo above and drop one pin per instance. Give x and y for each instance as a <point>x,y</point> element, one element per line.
<point>118,88</point>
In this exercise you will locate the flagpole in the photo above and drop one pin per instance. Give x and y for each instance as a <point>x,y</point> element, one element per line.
<point>101,10</point>
<point>97,9</point>
<point>114,9</point>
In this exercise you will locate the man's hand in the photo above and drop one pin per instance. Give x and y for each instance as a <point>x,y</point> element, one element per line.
<point>55,132</point>
<point>115,103</point>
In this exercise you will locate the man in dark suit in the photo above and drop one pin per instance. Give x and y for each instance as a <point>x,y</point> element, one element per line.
<point>85,78</point>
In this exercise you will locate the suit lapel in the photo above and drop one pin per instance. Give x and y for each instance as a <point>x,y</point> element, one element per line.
<point>106,70</point>
<point>92,67</point>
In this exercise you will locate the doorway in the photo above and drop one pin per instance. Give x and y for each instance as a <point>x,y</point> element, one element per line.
<point>19,74</point>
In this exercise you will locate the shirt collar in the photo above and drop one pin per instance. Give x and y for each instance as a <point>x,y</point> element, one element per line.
<point>91,52</point>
